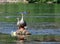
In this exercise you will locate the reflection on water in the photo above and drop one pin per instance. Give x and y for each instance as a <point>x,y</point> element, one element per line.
<point>6,27</point>
<point>7,43</point>
<point>22,42</point>
<point>29,42</point>
<point>18,42</point>
<point>9,27</point>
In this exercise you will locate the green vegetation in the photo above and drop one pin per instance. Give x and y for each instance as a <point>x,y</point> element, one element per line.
<point>42,1</point>
<point>7,38</point>
<point>33,1</point>
<point>39,9</point>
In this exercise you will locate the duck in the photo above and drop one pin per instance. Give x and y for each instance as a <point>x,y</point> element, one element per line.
<point>21,22</point>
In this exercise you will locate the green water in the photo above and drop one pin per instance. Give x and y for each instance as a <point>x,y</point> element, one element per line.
<point>30,43</point>
<point>32,10</point>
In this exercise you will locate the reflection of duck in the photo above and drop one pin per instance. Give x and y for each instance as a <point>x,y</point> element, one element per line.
<point>21,22</point>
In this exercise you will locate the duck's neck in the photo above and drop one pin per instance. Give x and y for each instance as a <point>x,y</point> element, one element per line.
<point>22,19</point>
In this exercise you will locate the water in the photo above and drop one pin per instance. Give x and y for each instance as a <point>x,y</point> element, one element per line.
<point>30,43</point>
<point>6,27</point>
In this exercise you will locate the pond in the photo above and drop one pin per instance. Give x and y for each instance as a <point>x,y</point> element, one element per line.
<point>6,27</point>
<point>30,43</point>
<point>34,9</point>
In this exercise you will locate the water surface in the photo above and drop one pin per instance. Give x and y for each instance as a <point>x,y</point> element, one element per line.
<point>6,27</point>
<point>30,43</point>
